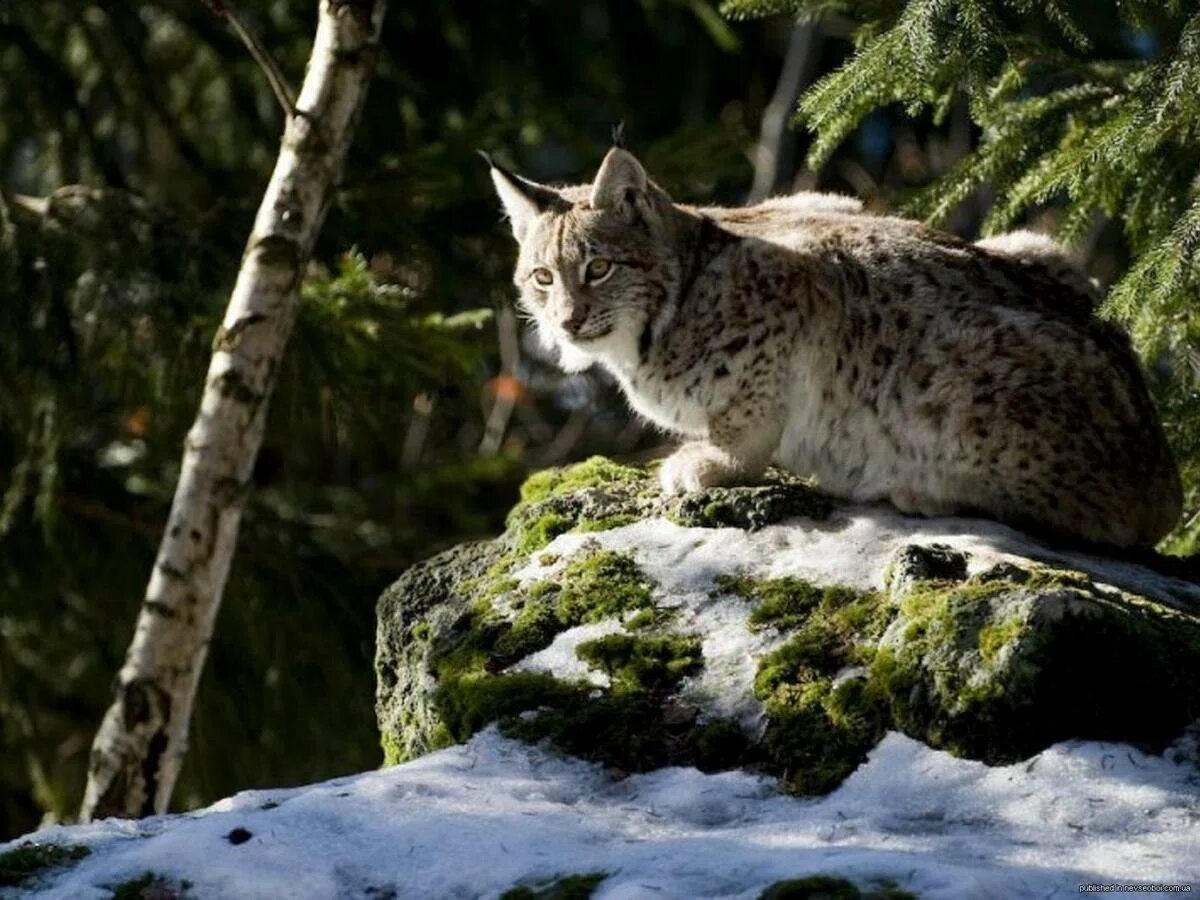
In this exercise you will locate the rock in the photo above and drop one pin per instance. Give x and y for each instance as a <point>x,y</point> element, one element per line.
<point>916,563</point>
<point>772,628</point>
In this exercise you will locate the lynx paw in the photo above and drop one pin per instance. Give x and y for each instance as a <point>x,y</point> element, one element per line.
<point>696,466</point>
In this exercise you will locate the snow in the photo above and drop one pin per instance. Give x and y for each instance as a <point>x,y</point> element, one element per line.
<point>477,819</point>
<point>560,660</point>
<point>474,820</point>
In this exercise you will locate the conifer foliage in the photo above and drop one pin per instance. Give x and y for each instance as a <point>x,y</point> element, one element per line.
<point>1092,106</point>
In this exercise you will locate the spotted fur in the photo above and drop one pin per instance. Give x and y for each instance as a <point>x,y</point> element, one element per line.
<point>888,360</point>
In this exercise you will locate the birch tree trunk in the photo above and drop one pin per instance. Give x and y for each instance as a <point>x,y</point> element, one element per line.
<point>140,746</point>
<point>774,154</point>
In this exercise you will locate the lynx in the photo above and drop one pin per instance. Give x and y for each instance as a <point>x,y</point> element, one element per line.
<point>887,360</point>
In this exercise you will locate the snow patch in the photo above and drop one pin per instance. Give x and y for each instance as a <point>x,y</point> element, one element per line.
<point>559,658</point>
<point>474,820</point>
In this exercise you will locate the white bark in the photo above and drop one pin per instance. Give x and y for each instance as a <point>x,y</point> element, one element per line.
<point>141,743</point>
<point>775,151</point>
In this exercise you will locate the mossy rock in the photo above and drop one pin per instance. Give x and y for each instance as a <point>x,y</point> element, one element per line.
<point>751,507</point>
<point>599,494</point>
<point>454,673</point>
<point>1003,664</point>
<point>459,616</point>
<point>995,666</point>
<point>430,599</point>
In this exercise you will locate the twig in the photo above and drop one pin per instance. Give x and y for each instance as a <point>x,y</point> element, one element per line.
<point>258,50</point>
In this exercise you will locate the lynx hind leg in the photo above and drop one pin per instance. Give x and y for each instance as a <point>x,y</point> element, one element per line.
<point>1035,249</point>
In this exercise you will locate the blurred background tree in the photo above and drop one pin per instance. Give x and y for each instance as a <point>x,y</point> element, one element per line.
<point>135,139</point>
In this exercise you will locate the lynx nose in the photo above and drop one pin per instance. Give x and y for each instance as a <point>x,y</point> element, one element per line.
<point>573,321</point>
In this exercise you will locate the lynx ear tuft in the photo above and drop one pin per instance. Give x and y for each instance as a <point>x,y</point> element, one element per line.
<point>618,135</point>
<point>523,200</point>
<point>621,180</point>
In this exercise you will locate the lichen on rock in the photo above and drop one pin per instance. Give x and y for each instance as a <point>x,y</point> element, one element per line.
<point>991,656</point>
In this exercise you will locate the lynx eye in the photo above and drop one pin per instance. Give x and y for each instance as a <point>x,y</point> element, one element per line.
<point>543,277</point>
<point>598,268</point>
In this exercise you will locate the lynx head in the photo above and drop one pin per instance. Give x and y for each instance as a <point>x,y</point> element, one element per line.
<point>595,262</point>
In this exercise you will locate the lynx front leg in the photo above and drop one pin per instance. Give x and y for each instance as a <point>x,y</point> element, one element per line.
<point>739,448</point>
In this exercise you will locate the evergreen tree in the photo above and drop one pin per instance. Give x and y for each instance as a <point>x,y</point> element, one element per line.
<point>1089,107</point>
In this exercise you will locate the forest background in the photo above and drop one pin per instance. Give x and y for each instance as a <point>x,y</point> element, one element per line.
<point>135,141</point>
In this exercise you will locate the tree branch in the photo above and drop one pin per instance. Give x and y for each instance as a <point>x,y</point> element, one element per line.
<point>258,50</point>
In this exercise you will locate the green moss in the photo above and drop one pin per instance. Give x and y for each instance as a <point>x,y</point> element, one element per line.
<point>784,603</point>
<point>923,679</point>
<point>540,531</point>
<point>26,860</point>
<point>994,638</point>
<point>822,719</point>
<point>719,744</point>
<point>494,583</point>
<point>563,887</point>
<point>468,704</point>
<point>930,600</point>
<point>650,617</point>
<point>534,628</point>
<point>1096,664</point>
<point>594,472</point>
<point>606,523</point>
<point>635,663</point>
<point>821,731</point>
<point>470,661</point>
<point>601,585</point>
<point>638,723</point>
<point>828,887</point>
<point>394,751</point>
<point>815,652</point>
<point>594,495</point>
<point>590,588</point>
<point>634,731</point>
<point>150,886</point>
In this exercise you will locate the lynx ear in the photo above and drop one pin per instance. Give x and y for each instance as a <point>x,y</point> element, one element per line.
<point>523,200</point>
<point>620,181</point>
